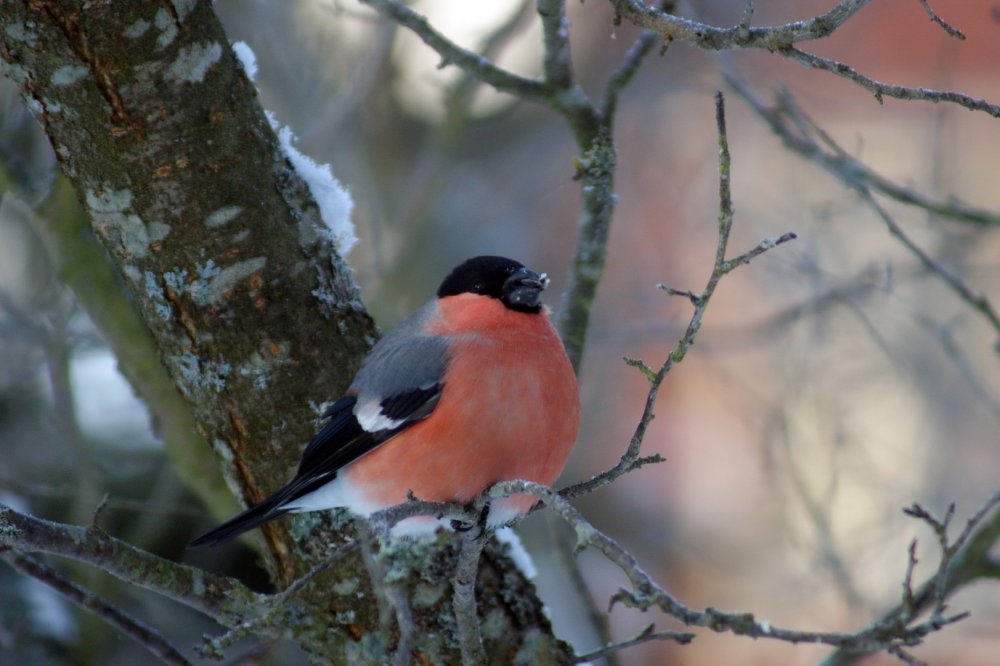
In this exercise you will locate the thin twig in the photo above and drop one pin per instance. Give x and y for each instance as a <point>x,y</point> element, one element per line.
<point>631,459</point>
<point>978,302</point>
<point>886,635</point>
<point>841,164</point>
<point>715,38</point>
<point>626,71</point>
<point>646,635</point>
<point>452,54</point>
<point>880,89</point>
<point>139,631</point>
<point>954,32</point>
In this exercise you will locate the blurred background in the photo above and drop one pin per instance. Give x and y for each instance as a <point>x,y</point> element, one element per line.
<point>834,382</point>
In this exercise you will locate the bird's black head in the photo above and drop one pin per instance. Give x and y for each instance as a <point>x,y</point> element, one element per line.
<point>517,287</point>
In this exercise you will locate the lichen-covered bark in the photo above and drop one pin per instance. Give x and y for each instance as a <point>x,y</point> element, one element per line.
<point>255,316</point>
<point>155,124</point>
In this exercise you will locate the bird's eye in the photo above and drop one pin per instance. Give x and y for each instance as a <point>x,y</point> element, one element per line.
<point>479,286</point>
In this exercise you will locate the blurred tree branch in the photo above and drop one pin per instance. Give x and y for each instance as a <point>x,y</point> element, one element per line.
<point>781,40</point>
<point>142,633</point>
<point>223,599</point>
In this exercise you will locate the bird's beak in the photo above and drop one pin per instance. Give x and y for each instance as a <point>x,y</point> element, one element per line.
<point>523,289</point>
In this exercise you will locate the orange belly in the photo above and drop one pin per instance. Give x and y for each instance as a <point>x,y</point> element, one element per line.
<point>509,410</point>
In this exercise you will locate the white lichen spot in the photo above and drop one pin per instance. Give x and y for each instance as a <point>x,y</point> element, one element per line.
<point>193,62</point>
<point>257,371</point>
<point>241,236</point>
<point>158,231</point>
<point>137,29</point>
<point>223,216</point>
<point>183,8</point>
<point>222,449</point>
<point>108,200</point>
<point>164,22</point>
<point>67,75</point>
<point>494,625</point>
<point>211,282</point>
<point>426,595</point>
<point>124,230</point>
<point>34,106</point>
<point>247,58</point>
<point>154,292</point>
<point>15,73</point>
<point>345,586</point>
<point>131,272</point>
<point>199,375</point>
<point>20,32</point>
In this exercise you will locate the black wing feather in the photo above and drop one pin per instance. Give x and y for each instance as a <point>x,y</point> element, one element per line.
<point>341,441</point>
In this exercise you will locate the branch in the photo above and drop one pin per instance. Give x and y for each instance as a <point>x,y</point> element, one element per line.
<point>223,599</point>
<point>555,30</point>
<point>881,90</point>
<point>741,36</point>
<point>631,460</point>
<point>464,602</point>
<point>452,54</point>
<point>978,302</point>
<point>954,32</point>
<point>890,636</point>
<point>963,561</point>
<point>803,136</point>
<point>646,635</point>
<point>781,39</point>
<point>140,632</point>
<point>784,120</point>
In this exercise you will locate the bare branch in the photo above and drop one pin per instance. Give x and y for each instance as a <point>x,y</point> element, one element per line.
<point>555,28</point>
<point>464,601</point>
<point>977,301</point>
<point>841,164</point>
<point>139,631</point>
<point>890,635</point>
<point>452,54</point>
<point>631,460</point>
<point>881,90</point>
<point>741,36</point>
<point>646,635</point>
<point>625,72</point>
<point>954,32</point>
<point>223,599</point>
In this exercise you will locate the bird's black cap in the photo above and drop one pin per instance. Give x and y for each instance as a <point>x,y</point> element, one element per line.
<point>517,287</point>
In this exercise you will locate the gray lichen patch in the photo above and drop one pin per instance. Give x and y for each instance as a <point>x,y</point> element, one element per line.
<point>200,375</point>
<point>193,62</point>
<point>183,7</point>
<point>137,29</point>
<point>164,22</point>
<point>21,32</point>
<point>67,75</point>
<point>222,216</point>
<point>124,230</point>
<point>154,292</point>
<point>212,283</point>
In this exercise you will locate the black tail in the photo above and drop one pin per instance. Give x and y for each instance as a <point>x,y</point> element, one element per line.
<point>257,515</point>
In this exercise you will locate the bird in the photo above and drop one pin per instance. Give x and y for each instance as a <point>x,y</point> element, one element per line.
<point>472,389</point>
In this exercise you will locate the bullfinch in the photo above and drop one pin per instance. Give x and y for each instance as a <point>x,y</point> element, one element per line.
<point>473,388</point>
